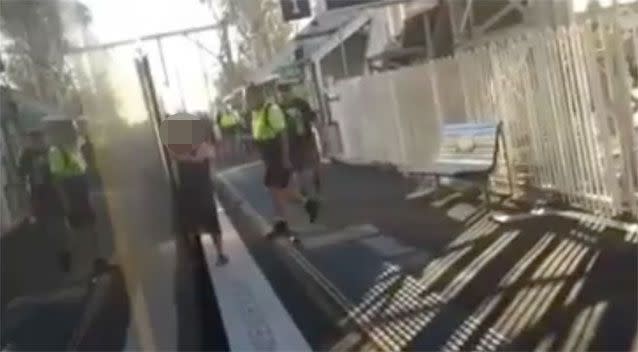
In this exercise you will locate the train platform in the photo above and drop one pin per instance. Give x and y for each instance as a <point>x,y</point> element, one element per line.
<point>435,273</point>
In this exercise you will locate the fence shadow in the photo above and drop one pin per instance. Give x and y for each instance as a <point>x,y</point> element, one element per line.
<point>549,284</point>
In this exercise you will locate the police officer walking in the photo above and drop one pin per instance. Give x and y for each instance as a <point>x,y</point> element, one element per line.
<point>230,127</point>
<point>69,173</point>
<point>269,131</point>
<point>304,152</point>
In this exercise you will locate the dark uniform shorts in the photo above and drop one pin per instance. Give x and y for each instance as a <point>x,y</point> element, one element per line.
<point>230,132</point>
<point>304,154</point>
<point>276,175</point>
<point>80,213</point>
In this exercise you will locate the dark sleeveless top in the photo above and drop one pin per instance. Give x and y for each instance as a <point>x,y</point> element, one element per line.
<point>195,184</point>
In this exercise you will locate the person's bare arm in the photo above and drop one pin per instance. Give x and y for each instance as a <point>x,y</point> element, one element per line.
<point>206,151</point>
<point>182,157</point>
<point>209,153</point>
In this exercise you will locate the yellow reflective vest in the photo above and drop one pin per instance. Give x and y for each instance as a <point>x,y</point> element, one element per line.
<point>267,122</point>
<point>229,120</point>
<point>66,163</point>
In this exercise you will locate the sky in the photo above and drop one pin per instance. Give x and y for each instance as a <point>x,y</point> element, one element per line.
<point>114,20</point>
<point>119,19</point>
<point>186,89</point>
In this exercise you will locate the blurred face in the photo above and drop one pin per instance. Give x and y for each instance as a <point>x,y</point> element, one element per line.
<point>182,133</point>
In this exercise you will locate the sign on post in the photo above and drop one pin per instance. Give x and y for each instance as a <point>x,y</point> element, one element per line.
<point>295,9</point>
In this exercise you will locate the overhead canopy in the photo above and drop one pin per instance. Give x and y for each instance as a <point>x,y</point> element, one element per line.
<point>329,29</point>
<point>324,33</point>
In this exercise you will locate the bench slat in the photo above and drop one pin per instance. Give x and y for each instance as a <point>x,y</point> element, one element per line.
<point>487,158</point>
<point>467,149</point>
<point>487,140</point>
<point>469,125</point>
<point>470,130</point>
<point>453,169</point>
<point>465,161</point>
<point>476,150</point>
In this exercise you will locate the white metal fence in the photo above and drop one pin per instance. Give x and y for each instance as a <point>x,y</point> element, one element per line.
<point>564,97</point>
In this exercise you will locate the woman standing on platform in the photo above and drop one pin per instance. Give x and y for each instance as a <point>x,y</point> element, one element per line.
<point>188,140</point>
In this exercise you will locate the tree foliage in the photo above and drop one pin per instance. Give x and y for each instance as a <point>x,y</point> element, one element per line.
<point>35,44</point>
<point>252,33</point>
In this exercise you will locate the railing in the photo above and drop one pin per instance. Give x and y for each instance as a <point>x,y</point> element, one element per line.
<point>563,95</point>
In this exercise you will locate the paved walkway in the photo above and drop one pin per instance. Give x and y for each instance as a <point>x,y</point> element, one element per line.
<point>435,273</point>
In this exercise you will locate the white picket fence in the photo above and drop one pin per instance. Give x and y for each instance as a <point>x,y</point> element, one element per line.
<point>564,97</point>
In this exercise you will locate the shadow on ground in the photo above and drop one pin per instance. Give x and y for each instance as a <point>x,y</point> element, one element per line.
<point>436,273</point>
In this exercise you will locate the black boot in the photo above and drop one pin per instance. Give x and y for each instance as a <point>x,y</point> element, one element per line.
<point>100,266</point>
<point>312,208</point>
<point>280,228</point>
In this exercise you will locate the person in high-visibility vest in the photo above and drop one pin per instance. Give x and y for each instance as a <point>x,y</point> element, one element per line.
<point>69,173</point>
<point>228,120</point>
<point>269,132</point>
<point>304,139</point>
<point>34,168</point>
<point>230,127</point>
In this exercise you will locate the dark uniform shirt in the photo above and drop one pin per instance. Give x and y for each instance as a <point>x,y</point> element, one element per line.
<point>299,119</point>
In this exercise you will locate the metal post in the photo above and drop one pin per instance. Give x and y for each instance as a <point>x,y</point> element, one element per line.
<point>453,16</point>
<point>344,58</point>
<point>295,6</point>
<point>160,48</point>
<point>320,91</point>
<point>74,50</point>
<point>429,45</point>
